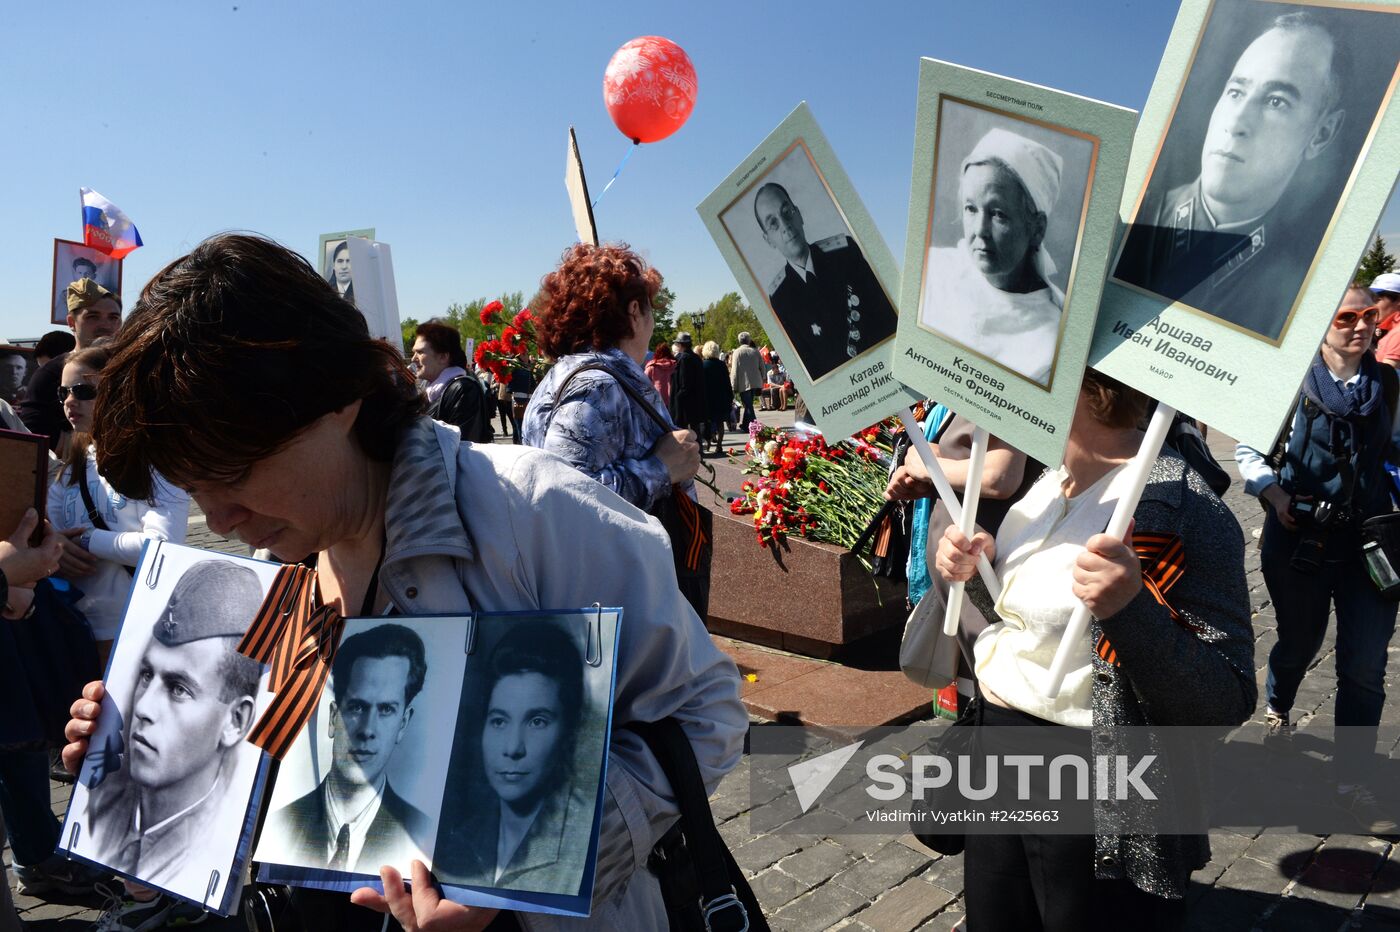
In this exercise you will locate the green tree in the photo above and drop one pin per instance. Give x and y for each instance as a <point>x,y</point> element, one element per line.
<point>409,325</point>
<point>725,319</point>
<point>1375,262</point>
<point>662,310</point>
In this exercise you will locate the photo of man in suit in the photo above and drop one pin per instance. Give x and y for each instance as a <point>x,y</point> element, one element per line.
<point>1236,240</point>
<point>354,820</point>
<point>156,790</point>
<point>826,296</point>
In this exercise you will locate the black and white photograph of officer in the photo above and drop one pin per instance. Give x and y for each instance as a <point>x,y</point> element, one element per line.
<point>1276,107</point>
<point>164,793</point>
<point>819,284</point>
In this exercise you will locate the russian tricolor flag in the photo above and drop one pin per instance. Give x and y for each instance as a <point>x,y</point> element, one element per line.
<point>105,227</point>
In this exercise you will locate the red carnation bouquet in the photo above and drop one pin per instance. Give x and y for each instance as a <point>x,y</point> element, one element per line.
<point>500,354</point>
<point>803,485</point>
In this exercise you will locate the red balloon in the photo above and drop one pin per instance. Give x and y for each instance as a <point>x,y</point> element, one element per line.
<point>649,88</point>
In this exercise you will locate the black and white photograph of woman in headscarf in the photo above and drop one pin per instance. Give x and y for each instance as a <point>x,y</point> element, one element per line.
<point>1008,198</point>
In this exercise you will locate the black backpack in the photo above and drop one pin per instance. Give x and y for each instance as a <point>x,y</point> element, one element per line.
<point>465,405</point>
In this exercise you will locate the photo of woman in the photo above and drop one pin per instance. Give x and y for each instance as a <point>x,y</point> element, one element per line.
<point>530,809</point>
<point>1013,201</point>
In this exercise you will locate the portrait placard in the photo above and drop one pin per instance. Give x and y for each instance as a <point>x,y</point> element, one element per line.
<point>1011,215</point>
<point>169,791</point>
<point>576,184</point>
<point>333,259</point>
<point>1262,162</point>
<point>809,258</point>
<point>72,261</point>
<point>377,297</point>
<point>507,813</point>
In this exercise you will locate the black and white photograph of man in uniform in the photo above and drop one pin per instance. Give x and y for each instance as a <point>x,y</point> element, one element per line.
<point>1276,108</point>
<point>798,246</point>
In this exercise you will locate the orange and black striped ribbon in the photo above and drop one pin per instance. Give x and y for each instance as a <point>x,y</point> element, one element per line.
<point>1163,558</point>
<point>299,644</point>
<point>690,515</point>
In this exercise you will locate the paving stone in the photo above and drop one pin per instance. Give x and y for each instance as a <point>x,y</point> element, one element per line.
<point>762,853</point>
<point>874,876</point>
<point>774,889</point>
<point>945,921</point>
<point>865,846</point>
<point>1253,877</point>
<point>820,909</point>
<point>902,909</point>
<point>1282,849</point>
<point>945,872</point>
<point>736,831</point>
<point>817,864</point>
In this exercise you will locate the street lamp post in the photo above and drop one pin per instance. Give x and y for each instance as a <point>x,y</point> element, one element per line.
<point>699,318</point>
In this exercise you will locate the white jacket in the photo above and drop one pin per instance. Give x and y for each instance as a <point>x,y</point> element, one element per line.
<point>131,524</point>
<point>498,528</point>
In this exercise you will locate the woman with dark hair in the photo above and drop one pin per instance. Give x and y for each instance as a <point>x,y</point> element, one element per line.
<point>454,396</point>
<point>659,369</point>
<point>332,455</point>
<point>1143,645</point>
<point>535,836</point>
<point>596,323</point>
<point>339,275</point>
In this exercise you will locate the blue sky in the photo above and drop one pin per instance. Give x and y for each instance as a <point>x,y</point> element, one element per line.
<point>442,125</point>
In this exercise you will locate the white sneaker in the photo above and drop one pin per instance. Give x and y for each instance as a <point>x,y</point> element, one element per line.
<point>121,913</point>
<point>1278,726</point>
<point>1356,799</point>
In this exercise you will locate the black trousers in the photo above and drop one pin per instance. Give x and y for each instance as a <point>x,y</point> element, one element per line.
<point>1045,883</point>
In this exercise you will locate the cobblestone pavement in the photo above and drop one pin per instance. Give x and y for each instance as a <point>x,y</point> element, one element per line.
<point>1272,882</point>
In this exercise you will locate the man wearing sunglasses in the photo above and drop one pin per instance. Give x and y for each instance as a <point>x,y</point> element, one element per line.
<point>93,313</point>
<point>1325,478</point>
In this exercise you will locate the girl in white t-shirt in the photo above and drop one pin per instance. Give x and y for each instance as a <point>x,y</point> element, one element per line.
<point>102,543</point>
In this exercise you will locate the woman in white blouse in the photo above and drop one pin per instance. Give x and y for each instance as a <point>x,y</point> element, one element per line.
<point>103,531</point>
<point>1180,655</point>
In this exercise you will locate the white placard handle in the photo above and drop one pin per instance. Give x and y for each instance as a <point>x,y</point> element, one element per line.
<point>1071,642</point>
<point>972,493</point>
<point>945,491</point>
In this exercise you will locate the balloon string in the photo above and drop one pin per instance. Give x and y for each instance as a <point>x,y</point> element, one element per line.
<point>630,149</point>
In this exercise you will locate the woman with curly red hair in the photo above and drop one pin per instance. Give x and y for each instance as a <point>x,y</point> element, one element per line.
<point>596,408</point>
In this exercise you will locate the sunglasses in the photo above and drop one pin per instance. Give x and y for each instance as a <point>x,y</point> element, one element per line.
<point>80,391</point>
<point>1347,319</point>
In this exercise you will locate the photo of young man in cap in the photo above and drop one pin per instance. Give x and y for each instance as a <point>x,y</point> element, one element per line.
<point>159,789</point>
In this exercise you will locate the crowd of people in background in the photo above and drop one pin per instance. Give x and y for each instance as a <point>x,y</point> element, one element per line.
<point>636,416</point>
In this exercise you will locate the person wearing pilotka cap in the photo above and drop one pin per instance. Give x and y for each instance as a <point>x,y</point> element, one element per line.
<point>93,313</point>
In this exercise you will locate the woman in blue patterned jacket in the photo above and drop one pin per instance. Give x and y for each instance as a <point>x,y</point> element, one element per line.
<point>596,323</point>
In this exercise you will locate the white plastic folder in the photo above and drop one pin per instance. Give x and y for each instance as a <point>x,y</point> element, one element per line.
<point>169,791</point>
<point>475,743</point>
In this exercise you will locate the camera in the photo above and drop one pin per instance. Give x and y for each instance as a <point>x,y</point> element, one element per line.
<point>1315,519</point>
<point>1311,513</point>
